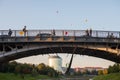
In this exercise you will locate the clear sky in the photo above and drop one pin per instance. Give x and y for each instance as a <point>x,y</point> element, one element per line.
<point>61,14</point>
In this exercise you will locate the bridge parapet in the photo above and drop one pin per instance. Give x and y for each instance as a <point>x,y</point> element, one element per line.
<point>59,35</point>
<point>95,33</point>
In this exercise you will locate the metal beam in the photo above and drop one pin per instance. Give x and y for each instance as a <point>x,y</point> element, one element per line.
<point>68,69</point>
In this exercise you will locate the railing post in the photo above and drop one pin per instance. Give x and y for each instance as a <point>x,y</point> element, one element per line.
<point>74,33</point>
<point>96,33</point>
<point>63,32</point>
<point>53,34</point>
<point>63,35</point>
<point>108,34</point>
<point>15,36</point>
<point>27,34</point>
<point>119,34</point>
<point>119,37</point>
<point>2,32</point>
<point>15,33</point>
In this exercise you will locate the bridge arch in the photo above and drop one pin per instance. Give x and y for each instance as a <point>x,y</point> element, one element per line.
<point>89,49</point>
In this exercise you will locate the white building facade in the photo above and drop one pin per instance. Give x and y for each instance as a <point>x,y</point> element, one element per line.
<point>56,63</point>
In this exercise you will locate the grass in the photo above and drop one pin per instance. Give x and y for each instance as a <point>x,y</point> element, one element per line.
<point>12,76</point>
<point>112,76</point>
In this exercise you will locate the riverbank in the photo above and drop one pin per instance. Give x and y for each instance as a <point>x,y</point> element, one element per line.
<point>112,76</point>
<point>12,76</point>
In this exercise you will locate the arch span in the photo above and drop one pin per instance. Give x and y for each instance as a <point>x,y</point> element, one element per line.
<point>71,48</point>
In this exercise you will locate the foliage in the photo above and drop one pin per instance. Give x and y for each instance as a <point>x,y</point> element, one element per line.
<point>11,66</point>
<point>114,69</point>
<point>46,70</point>
<point>112,76</point>
<point>105,71</point>
<point>12,76</point>
<point>100,72</point>
<point>19,68</point>
<point>86,72</point>
<point>112,73</point>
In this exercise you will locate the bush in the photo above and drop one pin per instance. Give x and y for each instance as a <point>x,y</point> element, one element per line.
<point>114,69</point>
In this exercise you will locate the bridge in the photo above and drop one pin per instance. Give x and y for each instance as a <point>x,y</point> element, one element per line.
<point>102,44</point>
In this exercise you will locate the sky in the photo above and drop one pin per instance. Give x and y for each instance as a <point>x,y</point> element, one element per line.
<point>62,14</point>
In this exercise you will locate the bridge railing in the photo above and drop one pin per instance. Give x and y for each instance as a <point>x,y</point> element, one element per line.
<point>60,33</point>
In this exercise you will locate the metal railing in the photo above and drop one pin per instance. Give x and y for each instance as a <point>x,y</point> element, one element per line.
<point>95,33</point>
<point>58,33</point>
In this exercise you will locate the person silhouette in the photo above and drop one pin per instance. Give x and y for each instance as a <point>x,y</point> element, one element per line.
<point>53,32</point>
<point>87,32</point>
<point>10,32</point>
<point>90,32</point>
<point>24,30</point>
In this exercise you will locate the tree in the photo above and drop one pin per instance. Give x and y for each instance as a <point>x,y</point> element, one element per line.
<point>105,71</point>
<point>26,68</point>
<point>113,69</point>
<point>41,66</point>
<point>4,67</point>
<point>100,72</point>
<point>12,66</point>
<point>94,72</point>
<point>18,69</point>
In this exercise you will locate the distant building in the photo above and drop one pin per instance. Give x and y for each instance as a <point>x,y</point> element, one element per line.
<point>79,69</point>
<point>56,63</point>
<point>94,68</point>
<point>90,69</point>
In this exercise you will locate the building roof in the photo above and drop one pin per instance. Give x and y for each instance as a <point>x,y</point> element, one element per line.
<point>55,57</point>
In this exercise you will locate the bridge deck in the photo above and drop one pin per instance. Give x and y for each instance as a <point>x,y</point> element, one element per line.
<point>60,36</point>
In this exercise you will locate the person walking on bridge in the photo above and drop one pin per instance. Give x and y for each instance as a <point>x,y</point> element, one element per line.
<point>87,32</point>
<point>90,32</point>
<point>24,30</point>
<point>53,32</point>
<point>10,32</point>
